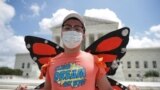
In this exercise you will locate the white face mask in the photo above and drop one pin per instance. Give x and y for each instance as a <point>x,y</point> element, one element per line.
<point>71,39</point>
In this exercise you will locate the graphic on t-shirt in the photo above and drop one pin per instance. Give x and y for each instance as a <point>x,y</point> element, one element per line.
<point>70,74</point>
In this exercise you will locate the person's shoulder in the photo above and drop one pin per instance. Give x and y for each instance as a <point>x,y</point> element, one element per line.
<point>86,53</point>
<point>57,57</point>
<point>89,54</point>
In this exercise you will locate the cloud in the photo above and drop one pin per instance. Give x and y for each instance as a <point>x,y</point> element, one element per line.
<point>149,40</point>
<point>155,30</point>
<point>103,14</point>
<point>143,42</point>
<point>10,44</point>
<point>10,47</point>
<point>7,61</point>
<point>35,8</point>
<point>7,12</point>
<point>47,23</point>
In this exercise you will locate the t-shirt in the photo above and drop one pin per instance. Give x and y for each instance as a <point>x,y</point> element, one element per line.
<point>76,71</point>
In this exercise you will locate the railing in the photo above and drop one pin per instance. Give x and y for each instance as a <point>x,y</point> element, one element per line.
<point>11,84</point>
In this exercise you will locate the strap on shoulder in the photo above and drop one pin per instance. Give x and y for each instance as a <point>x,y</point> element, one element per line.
<point>100,63</point>
<point>44,68</point>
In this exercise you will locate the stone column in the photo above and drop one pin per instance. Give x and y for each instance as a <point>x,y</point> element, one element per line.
<point>95,36</point>
<point>87,41</point>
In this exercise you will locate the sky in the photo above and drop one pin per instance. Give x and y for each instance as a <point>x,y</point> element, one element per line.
<point>19,18</point>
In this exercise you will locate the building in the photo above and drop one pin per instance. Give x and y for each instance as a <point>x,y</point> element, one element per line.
<point>133,65</point>
<point>27,65</point>
<point>137,62</point>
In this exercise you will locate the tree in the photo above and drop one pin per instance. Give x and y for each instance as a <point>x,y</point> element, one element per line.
<point>151,73</point>
<point>17,72</point>
<point>9,71</point>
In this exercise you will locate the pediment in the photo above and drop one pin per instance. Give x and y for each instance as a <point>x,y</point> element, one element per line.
<point>89,21</point>
<point>95,21</point>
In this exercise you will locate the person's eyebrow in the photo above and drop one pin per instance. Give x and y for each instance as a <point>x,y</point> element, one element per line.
<point>74,25</point>
<point>67,25</point>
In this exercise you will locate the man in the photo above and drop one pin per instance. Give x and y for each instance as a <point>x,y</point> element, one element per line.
<point>75,69</point>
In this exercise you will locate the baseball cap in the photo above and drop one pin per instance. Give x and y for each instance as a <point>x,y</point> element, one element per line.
<point>74,15</point>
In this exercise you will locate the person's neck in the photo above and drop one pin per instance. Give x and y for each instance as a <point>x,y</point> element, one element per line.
<point>72,51</point>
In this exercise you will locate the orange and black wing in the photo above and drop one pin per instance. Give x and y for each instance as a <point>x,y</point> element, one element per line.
<point>111,47</point>
<point>116,85</point>
<point>41,50</point>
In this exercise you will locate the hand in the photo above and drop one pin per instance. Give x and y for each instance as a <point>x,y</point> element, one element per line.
<point>22,87</point>
<point>133,87</point>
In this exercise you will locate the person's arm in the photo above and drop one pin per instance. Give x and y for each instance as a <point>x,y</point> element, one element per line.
<point>47,84</point>
<point>101,80</point>
<point>133,87</point>
<point>22,87</point>
<point>103,84</point>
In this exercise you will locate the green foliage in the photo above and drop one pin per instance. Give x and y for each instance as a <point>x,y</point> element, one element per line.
<point>17,72</point>
<point>151,73</point>
<point>9,71</point>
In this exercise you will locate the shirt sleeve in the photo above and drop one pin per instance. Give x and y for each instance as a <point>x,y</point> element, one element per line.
<point>47,75</point>
<point>100,70</point>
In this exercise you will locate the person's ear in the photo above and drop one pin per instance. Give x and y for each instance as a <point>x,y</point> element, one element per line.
<point>84,36</point>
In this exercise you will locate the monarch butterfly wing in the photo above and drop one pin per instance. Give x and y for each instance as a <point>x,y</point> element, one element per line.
<point>41,50</point>
<point>111,47</point>
<point>39,86</point>
<point>116,85</point>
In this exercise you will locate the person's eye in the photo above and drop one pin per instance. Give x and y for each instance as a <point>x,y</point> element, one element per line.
<point>77,29</point>
<point>67,28</point>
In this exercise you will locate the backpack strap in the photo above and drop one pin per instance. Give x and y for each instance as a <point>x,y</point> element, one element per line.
<point>100,63</point>
<point>44,69</point>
